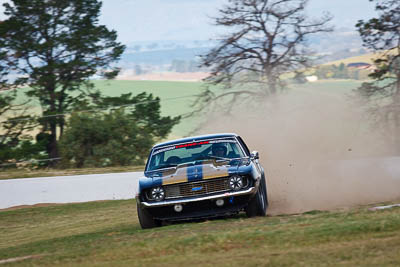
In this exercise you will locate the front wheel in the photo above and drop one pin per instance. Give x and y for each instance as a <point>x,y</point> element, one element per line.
<point>259,203</point>
<point>145,219</point>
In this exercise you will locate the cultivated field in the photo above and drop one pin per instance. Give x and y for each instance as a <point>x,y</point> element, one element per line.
<point>108,234</point>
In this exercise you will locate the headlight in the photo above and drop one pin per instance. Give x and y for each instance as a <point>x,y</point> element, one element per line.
<point>157,193</point>
<point>235,182</point>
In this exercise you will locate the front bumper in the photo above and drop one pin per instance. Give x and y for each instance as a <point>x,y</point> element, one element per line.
<point>249,191</point>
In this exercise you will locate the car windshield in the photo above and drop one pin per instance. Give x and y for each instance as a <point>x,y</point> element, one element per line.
<point>173,155</point>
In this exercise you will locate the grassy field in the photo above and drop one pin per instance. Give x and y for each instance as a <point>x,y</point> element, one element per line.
<point>108,234</point>
<point>177,98</point>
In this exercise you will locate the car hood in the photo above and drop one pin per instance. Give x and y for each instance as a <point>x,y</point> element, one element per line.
<point>190,172</point>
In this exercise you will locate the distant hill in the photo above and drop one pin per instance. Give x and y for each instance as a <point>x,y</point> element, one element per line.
<point>341,43</point>
<point>366,58</point>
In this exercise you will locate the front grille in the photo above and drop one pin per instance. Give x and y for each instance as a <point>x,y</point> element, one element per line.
<point>198,188</point>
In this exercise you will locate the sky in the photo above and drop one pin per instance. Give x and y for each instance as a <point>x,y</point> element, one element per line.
<point>154,20</point>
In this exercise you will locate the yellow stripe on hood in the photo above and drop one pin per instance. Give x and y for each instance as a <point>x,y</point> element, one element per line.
<point>210,170</point>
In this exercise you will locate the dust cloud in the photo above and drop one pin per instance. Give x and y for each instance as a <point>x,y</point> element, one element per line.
<point>318,151</point>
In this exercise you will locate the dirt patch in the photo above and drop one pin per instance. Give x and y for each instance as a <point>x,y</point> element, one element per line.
<point>20,258</point>
<point>318,152</point>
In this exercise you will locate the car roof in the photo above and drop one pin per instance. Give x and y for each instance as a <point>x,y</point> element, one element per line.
<point>195,138</point>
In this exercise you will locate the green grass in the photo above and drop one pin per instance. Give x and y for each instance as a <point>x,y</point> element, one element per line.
<point>108,234</point>
<point>163,89</point>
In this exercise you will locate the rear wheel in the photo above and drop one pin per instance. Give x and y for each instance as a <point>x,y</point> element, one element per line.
<point>259,203</point>
<point>145,219</point>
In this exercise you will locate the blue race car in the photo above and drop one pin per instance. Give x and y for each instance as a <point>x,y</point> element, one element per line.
<point>201,177</point>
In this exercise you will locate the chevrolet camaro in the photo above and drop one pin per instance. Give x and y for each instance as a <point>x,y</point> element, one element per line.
<point>201,177</point>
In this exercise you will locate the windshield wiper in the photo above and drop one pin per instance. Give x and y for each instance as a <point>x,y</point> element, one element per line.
<point>216,157</point>
<point>165,166</point>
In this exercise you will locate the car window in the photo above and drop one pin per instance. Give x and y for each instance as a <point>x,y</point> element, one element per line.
<point>172,155</point>
<point>244,146</point>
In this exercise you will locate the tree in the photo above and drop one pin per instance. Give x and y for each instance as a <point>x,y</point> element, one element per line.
<point>382,95</point>
<point>120,136</point>
<point>55,46</point>
<point>265,39</point>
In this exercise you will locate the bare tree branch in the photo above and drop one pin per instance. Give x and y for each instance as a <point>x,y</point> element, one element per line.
<point>266,39</point>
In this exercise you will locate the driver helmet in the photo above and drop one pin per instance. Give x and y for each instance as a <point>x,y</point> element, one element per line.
<point>219,150</point>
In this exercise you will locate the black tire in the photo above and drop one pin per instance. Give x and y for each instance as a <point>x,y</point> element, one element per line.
<point>259,203</point>
<point>264,207</point>
<point>145,219</point>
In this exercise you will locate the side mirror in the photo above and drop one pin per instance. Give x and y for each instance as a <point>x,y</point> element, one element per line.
<point>254,155</point>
